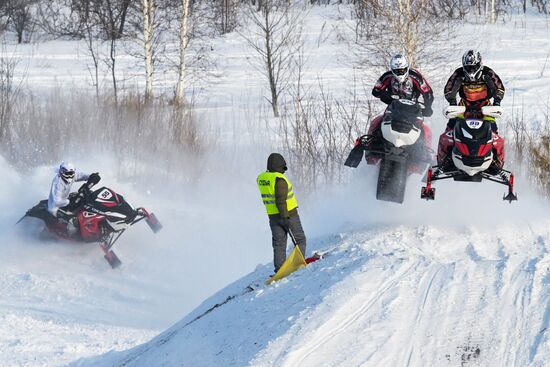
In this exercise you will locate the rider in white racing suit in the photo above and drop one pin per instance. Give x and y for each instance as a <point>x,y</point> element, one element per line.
<point>60,190</point>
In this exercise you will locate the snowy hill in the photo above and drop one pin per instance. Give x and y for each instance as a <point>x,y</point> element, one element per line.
<point>393,296</point>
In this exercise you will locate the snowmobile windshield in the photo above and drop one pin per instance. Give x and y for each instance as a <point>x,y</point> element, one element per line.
<point>404,110</point>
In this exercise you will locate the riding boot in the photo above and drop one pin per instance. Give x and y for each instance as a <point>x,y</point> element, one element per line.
<point>445,146</point>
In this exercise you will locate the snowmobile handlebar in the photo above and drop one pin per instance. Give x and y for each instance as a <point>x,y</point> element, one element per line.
<point>80,195</point>
<point>492,111</point>
<point>454,111</point>
<point>395,97</point>
<point>451,112</point>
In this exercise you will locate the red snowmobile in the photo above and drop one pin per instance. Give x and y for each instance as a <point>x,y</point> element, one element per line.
<point>400,142</point>
<point>102,216</point>
<point>476,152</point>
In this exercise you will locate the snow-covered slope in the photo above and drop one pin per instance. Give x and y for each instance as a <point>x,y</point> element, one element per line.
<point>415,295</point>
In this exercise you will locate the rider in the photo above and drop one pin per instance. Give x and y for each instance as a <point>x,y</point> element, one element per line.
<point>476,85</point>
<point>58,201</point>
<point>403,82</point>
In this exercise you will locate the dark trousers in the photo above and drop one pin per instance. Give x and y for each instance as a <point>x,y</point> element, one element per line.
<point>279,238</point>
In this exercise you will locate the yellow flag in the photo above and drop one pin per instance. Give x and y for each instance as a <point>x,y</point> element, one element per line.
<point>292,263</point>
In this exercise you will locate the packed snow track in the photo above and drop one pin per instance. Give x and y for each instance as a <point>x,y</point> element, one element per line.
<point>389,296</point>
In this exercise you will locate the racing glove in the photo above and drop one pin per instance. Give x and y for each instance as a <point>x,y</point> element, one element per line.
<point>427,111</point>
<point>94,178</point>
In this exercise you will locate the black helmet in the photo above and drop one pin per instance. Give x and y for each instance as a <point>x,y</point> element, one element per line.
<point>471,64</point>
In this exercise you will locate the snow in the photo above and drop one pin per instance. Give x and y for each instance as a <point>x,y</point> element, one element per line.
<point>404,295</point>
<point>462,281</point>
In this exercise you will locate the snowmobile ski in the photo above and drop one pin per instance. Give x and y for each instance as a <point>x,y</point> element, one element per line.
<point>355,156</point>
<point>110,256</point>
<point>435,173</point>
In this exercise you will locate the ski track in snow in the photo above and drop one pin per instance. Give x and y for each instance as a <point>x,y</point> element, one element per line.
<point>473,311</point>
<point>330,330</point>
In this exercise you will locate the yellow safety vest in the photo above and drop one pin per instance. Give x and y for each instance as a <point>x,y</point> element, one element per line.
<point>266,184</point>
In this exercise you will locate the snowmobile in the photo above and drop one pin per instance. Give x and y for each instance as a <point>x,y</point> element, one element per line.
<point>477,152</point>
<point>401,146</point>
<point>102,216</point>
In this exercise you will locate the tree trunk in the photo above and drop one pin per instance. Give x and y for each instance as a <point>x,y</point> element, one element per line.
<point>270,66</point>
<point>113,65</point>
<point>124,11</point>
<point>148,8</point>
<point>184,42</point>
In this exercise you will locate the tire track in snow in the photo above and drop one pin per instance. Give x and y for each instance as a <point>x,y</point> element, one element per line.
<point>420,311</point>
<point>327,331</point>
<point>516,327</point>
<point>475,302</point>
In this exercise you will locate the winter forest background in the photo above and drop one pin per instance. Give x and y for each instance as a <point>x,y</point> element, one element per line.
<point>149,64</point>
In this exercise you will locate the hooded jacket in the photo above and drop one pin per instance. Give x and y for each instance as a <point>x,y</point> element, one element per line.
<point>276,163</point>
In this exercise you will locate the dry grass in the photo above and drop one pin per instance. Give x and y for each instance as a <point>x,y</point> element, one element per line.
<point>540,162</point>
<point>143,136</point>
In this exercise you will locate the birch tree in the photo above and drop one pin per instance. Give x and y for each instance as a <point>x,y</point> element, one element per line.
<point>184,43</point>
<point>148,9</point>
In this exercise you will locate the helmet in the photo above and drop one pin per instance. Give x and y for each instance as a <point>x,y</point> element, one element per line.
<point>399,66</point>
<point>67,172</point>
<point>471,64</point>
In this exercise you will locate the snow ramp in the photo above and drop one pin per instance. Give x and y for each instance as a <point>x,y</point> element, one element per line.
<point>405,295</point>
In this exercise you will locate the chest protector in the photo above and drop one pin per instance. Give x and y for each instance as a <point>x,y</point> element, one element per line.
<point>475,91</point>
<point>266,184</point>
<point>404,90</point>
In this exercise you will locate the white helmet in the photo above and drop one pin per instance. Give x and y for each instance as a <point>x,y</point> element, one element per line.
<point>399,66</point>
<point>67,172</point>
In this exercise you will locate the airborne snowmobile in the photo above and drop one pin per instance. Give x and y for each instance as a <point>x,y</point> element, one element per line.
<point>477,152</point>
<point>401,146</point>
<point>102,215</point>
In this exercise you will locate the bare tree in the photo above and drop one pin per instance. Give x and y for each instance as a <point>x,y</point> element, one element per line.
<point>408,26</point>
<point>275,35</point>
<point>225,13</point>
<point>9,94</point>
<point>3,15</point>
<point>20,17</point>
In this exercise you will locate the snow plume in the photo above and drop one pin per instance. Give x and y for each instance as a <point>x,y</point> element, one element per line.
<point>457,205</point>
<point>215,230</point>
